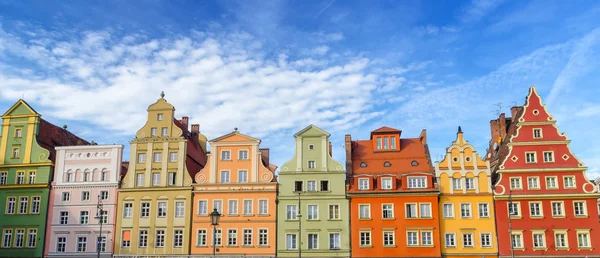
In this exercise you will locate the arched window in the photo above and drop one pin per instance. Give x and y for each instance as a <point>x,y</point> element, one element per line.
<point>104,175</point>
<point>69,177</point>
<point>86,175</point>
<point>414,163</point>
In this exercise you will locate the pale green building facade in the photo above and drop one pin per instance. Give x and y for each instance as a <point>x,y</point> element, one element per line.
<point>315,182</point>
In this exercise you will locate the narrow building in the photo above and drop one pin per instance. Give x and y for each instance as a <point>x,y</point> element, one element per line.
<point>155,198</point>
<point>312,211</point>
<point>545,205</point>
<point>239,182</point>
<point>27,159</point>
<point>84,178</point>
<point>393,196</point>
<point>467,220</point>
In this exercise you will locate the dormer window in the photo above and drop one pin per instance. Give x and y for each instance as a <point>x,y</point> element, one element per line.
<point>363,184</point>
<point>414,163</point>
<point>385,143</point>
<point>387,164</point>
<point>363,165</point>
<point>537,133</point>
<point>159,117</point>
<point>417,182</point>
<point>386,183</point>
<point>379,143</point>
<point>393,142</point>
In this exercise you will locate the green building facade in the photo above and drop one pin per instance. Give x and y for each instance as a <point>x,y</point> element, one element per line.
<point>315,182</point>
<point>26,165</point>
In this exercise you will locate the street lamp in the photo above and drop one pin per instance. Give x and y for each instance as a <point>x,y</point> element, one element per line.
<point>214,220</point>
<point>99,215</point>
<point>299,227</point>
<point>511,212</point>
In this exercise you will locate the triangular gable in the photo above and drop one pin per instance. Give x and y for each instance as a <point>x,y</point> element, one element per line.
<point>20,108</point>
<point>534,109</point>
<point>235,136</point>
<point>386,129</point>
<point>312,130</point>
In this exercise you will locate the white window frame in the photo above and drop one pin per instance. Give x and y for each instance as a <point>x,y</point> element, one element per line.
<point>519,180</point>
<point>548,156</point>
<point>533,182</point>
<point>470,210</point>
<point>573,186</point>
<point>363,184</point>
<point>445,211</point>
<point>417,182</point>
<point>530,157</point>
<point>386,183</point>
<point>364,210</point>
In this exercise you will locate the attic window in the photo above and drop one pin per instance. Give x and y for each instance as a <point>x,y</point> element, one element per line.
<point>468,159</point>
<point>311,147</point>
<point>387,164</point>
<point>455,159</point>
<point>363,165</point>
<point>159,117</point>
<point>536,112</point>
<point>414,163</point>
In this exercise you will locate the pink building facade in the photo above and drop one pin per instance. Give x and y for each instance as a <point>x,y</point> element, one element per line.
<point>84,176</point>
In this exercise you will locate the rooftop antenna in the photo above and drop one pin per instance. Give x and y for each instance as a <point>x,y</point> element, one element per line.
<point>499,110</point>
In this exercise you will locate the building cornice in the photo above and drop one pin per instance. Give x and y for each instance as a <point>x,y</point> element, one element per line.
<point>548,196</point>
<point>26,165</point>
<point>530,170</point>
<point>149,189</point>
<point>538,143</point>
<point>25,186</point>
<point>372,194</point>
<point>112,185</point>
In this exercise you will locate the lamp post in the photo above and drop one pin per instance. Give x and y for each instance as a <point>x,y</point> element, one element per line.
<point>214,220</point>
<point>299,227</point>
<point>100,212</point>
<point>511,212</point>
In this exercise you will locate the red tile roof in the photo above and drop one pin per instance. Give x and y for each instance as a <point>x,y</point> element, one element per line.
<point>386,129</point>
<point>50,136</point>
<point>412,149</point>
<point>196,157</point>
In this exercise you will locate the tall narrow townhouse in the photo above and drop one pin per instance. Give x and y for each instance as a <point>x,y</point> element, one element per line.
<point>393,196</point>
<point>239,183</point>
<point>467,222</point>
<point>27,158</point>
<point>545,205</point>
<point>153,216</point>
<point>313,214</point>
<point>84,178</point>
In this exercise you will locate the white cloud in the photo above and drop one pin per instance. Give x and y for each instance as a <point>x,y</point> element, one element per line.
<point>477,9</point>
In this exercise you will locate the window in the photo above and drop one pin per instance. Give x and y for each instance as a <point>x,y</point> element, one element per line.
<point>311,164</point>
<point>385,143</point>
<point>363,184</point>
<point>530,157</point>
<point>334,241</point>
<point>290,241</point>
<point>3,176</point>
<point>162,209</point>
<point>311,186</point>
<point>364,211</point>
<point>514,209</point>
<point>313,241</point>
<point>457,184</point>
<point>155,179</point>
<point>557,209</point>
<point>224,176</point>
<point>104,195</point>
<point>537,133</point>
<point>580,208</point>
<point>247,237</point>
<point>363,165</point>
<point>85,196</point>
<point>11,205</point>
<point>388,238</point>
<point>243,155</point>
<point>517,240</point>
<point>324,185</point>
<point>470,183</point>
<point>201,239</point>
<point>243,176</point>
<point>172,178</point>
<point>218,237</point>
<point>448,209</point>
<point>20,178</point>
<point>178,240</point>
<point>81,244</point>
<point>412,238</point>
<point>450,239</point>
<point>583,240</point>
<point>417,182</point>
<point>218,204</point>
<point>515,183</point>
<point>298,186</point>
<point>484,210</point>
<point>388,211</point>
<point>569,181</point>
<point>232,237</point>
<point>311,147</point>
<point>15,153</point>
<point>152,131</point>
<point>126,238</point>
<point>139,180</point>
<point>64,218</point>
<point>164,131</point>
<point>535,209</point>
<point>160,238</point>
<point>426,238</point>
<point>386,183</point>
<point>23,202</point>
<point>66,196</point>
<point>465,210</point>
<point>159,117</point>
<point>232,207</point>
<point>379,143</point>
<point>127,211</point>
<point>101,244</point>
<point>172,156</point>
<point>533,183</point>
<point>145,212</point>
<point>18,133</point>
<point>31,177</point>
<point>84,217</point>
<point>425,210</point>
<point>7,238</point>
<point>551,182</point>
<point>467,239</point>
<point>86,175</point>
<point>202,207</point>
<point>157,157</point>
<point>19,238</point>
<point>225,155</point>
<point>291,212</point>
<point>486,239</point>
<point>141,158</point>
<point>143,238</point>
<point>104,217</point>
<point>393,142</point>
<point>548,156</point>
<point>103,175</point>
<point>179,209</point>
<point>248,207</point>
<point>411,210</point>
<point>61,244</point>
<point>365,238</point>
<point>334,211</point>
<point>538,240</point>
<point>313,212</point>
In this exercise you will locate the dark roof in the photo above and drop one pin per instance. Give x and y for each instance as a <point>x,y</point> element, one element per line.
<point>50,136</point>
<point>196,157</point>
<point>124,168</point>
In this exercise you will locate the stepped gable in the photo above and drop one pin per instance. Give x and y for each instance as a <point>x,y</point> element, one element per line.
<point>50,136</point>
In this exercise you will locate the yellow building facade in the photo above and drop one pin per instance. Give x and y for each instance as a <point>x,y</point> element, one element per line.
<point>466,210</point>
<point>153,216</point>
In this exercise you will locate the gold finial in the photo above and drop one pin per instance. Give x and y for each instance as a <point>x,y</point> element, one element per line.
<point>162,94</point>
<point>235,129</point>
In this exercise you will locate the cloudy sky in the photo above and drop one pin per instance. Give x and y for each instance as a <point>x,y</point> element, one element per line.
<point>271,68</point>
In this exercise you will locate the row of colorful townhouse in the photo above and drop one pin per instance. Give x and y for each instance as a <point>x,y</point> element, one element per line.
<point>64,197</point>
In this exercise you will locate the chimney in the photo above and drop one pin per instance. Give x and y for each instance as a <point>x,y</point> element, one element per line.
<point>265,155</point>
<point>330,149</point>
<point>185,120</point>
<point>195,128</point>
<point>514,110</point>
<point>423,137</point>
<point>348,147</point>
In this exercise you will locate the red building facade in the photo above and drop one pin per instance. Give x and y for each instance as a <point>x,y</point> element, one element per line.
<point>393,197</point>
<point>545,205</point>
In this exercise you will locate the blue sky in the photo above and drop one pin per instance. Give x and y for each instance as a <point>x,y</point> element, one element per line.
<point>271,68</point>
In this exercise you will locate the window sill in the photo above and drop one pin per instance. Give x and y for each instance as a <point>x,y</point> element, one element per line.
<point>562,249</point>
<point>291,220</point>
<point>315,220</point>
<point>540,249</point>
<point>426,218</point>
<point>263,246</point>
<point>581,216</point>
<point>334,219</point>
<point>388,218</point>
<point>519,248</point>
<point>232,215</point>
<point>365,219</point>
<point>537,217</point>
<point>584,248</point>
<point>366,246</point>
<point>232,246</point>
<point>263,215</point>
<point>389,246</point>
<point>248,215</point>
<point>559,217</point>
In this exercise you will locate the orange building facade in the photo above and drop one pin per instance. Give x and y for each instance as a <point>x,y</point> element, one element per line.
<point>239,182</point>
<point>393,196</point>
